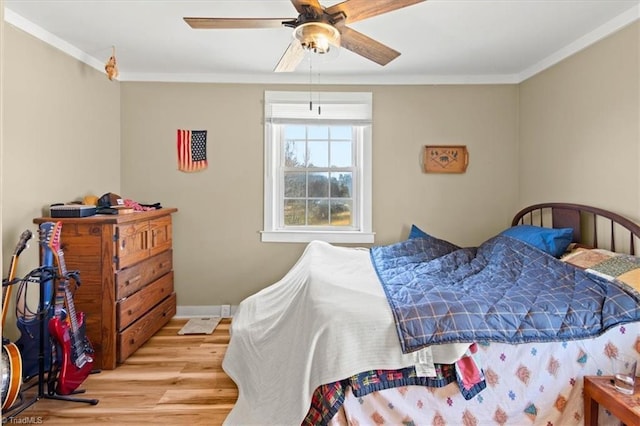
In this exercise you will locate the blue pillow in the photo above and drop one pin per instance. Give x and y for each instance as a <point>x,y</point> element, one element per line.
<point>417,233</point>
<point>552,241</point>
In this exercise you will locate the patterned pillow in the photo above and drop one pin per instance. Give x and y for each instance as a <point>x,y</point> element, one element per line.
<point>585,258</point>
<point>609,265</point>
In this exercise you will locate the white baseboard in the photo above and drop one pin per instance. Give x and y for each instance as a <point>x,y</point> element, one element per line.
<point>201,311</point>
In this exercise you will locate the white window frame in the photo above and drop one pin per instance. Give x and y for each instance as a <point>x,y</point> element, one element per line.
<point>337,108</point>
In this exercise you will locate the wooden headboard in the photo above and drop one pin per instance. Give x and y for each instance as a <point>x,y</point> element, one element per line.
<point>592,226</point>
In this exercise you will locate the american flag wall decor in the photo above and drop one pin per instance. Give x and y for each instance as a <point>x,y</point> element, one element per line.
<point>192,150</point>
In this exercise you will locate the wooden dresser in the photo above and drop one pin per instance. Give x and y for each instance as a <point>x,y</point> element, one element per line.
<point>126,272</point>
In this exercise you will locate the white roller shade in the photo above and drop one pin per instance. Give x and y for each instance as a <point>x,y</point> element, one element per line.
<point>289,107</point>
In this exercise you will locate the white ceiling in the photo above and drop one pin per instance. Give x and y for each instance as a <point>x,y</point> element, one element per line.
<point>441,41</point>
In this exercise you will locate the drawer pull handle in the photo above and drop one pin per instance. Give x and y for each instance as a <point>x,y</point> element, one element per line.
<point>132,341</point>
<point>129,312</point>
<point>133,280</point>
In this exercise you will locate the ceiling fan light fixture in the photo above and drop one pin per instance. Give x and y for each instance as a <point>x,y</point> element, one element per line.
<point>317,37</point>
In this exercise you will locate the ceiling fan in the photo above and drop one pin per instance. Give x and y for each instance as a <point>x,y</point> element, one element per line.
<point>317,29</point>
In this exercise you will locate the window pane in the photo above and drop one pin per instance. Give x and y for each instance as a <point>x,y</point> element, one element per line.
<point>295,185</point>
<point>341,154</point>
<point>294,212</point>
<point>294,154</point>
<point>341,213</point>
<point>318,154</point>
<point>318,185</point>
<point>318,212</point>
<point>341,132</point>
<point>292,131</point>
<point>341,184</point>
<point>318,132</point>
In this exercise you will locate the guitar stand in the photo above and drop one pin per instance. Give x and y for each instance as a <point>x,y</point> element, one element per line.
<point>50,394</point>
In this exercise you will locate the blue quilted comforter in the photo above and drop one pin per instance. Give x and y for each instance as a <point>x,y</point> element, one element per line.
<point>504,291</point>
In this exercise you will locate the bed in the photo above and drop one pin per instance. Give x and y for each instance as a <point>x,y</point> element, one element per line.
<point>425,332</point>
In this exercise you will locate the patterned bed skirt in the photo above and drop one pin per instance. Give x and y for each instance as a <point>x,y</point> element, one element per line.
<point>527,384</point>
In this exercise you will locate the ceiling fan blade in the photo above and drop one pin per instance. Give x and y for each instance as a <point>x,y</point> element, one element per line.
<point>357,10</point>
<point>229,23</point>
<point>299,5</point>
<point>291,57</point>
<point>366,46</point>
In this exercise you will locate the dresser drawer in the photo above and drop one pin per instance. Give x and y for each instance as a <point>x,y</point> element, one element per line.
<point>138,240</point>
<point>132,279</point>
<point>132,244</point>
<point>160,235</point>
<point>131,308</point>
<point>140,331</point>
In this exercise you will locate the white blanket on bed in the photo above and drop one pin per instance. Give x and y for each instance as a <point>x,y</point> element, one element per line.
<point>326,320</point>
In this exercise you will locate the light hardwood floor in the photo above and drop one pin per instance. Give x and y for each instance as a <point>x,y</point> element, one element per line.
<point>172,379</point>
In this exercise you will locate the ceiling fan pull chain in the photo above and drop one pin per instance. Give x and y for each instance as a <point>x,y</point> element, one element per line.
<point>319,110</point>
<point>310,84</point>
<point>311,87</point>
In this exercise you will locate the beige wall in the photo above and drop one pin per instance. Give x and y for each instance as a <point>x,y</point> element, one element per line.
<point>61,136</point>
<point>580,128</point>
<point>218,254</point>
<point>68,131</point>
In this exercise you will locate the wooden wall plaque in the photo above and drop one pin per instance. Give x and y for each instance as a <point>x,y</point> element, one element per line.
<point>445,158</point>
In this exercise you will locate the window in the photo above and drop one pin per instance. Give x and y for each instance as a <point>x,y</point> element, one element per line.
<point>317,182</point>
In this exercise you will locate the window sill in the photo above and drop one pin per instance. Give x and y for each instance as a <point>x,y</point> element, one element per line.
<point>354,237</point>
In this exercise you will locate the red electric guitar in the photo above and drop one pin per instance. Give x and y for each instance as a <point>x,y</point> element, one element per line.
<point>74,354</point>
